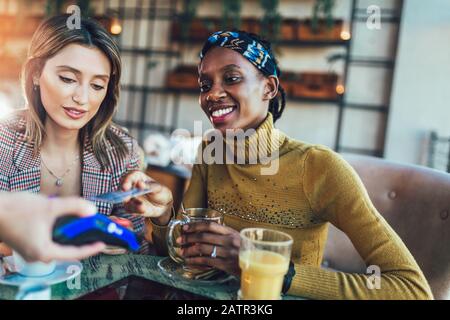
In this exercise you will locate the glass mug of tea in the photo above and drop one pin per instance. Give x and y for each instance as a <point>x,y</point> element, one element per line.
<point>190,215</point>
<point>264,258</point>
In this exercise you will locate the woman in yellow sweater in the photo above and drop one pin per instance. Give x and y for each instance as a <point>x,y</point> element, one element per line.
<point>299,192</point>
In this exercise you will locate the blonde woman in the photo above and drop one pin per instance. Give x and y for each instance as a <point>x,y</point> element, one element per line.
<point>64,143</point>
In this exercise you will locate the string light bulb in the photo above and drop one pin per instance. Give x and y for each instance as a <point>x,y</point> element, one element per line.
<point>340,89</point>
<point>345,32</point>
<point>345,35</point>
<point>116,27</point>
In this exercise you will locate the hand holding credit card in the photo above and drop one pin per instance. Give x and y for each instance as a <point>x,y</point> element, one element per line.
<point>119,196</point>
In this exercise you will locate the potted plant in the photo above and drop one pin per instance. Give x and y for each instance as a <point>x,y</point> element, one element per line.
<point>186,19</point>
<point>321,26</point>
<point>85,8</point>
<point>307,32</point>
<point>53,7</point>
<point>231,14</point>
<point>183,77</point>
<point>324,9</point>
<point>289,29</point>
<point>189,27</point>
<point>288,80</point>
<point>319,85</point>
<point>251,25</point>
<point>271,21</point>
<point>201,28</point>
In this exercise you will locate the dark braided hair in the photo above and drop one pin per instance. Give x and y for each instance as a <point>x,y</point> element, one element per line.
<point>276,107</point>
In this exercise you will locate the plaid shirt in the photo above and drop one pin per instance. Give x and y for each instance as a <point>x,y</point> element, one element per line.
<point>21,171</point>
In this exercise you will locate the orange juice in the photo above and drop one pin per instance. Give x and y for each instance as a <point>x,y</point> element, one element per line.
<point>262,274</point>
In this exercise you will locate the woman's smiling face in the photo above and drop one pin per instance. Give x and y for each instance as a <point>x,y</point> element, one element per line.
<point>73,85</point>
<point>233,93</point>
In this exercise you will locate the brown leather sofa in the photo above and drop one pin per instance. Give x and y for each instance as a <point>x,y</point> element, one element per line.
<point>416,202</point>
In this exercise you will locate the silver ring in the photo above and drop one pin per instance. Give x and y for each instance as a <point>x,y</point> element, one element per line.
<point>214,252</point>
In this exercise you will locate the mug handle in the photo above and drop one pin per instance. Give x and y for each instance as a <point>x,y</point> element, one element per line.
<point>170,243</point>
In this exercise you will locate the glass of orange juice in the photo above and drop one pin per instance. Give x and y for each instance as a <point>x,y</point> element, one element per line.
<point>264,259</point>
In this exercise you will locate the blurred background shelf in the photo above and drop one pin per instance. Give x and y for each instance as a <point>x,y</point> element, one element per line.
<point>202,25</point>
<point>195,92</point>
<point>389,101</point>
<point>150,52</point>
<point>287,43</point>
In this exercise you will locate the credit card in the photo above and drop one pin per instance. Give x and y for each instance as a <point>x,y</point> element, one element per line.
<point>119,196</point>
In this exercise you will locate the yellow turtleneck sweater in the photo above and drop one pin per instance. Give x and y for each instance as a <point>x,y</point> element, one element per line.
<point>313,186</point>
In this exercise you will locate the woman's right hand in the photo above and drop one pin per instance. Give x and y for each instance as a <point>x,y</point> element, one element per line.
<point>156,205</point>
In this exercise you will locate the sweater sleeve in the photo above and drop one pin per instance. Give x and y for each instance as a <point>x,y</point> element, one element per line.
<point>195,197</point>
<point>336,193</point>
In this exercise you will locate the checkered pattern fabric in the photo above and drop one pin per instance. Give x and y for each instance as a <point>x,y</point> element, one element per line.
<point>21,171</point>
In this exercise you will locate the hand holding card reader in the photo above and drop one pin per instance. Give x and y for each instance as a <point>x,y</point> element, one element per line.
<point>78,231</point>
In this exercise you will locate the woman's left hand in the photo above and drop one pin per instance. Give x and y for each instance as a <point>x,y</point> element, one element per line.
<point>157,204</point>
<point>201,238</point>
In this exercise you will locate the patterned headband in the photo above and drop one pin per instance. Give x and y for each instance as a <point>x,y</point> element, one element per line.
<point>252,50</point>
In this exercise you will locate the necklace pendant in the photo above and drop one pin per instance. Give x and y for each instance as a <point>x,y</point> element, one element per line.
<point>59,182</point>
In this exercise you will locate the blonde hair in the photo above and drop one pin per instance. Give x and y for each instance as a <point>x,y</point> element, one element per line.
<point>50,37</point>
